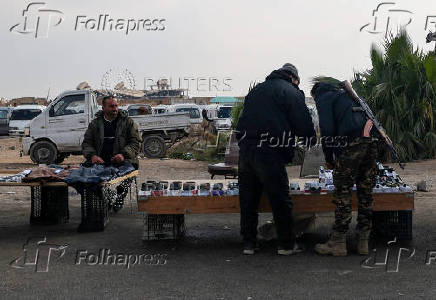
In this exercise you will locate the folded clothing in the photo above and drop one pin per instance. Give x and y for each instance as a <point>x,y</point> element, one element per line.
<point>97,174</point>
<point>48,174</point>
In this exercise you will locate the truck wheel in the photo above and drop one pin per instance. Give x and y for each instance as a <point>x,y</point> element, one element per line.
<point>61,157</point>
<point>154,146</point>
<point>43,152</point>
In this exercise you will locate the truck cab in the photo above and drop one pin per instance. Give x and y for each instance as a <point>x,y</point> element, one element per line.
<point>58,131</point>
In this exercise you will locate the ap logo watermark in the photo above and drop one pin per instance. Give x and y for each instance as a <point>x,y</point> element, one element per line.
<point>386,17</point>
<point>38,254</point>
<point>37,20</point>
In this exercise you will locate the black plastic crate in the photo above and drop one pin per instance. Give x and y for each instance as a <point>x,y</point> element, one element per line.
<point>95,212</point>
<point>160,227</point>
<point>49,205</point>
<point>393,224</point>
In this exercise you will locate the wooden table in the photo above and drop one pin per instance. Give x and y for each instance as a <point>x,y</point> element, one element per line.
<point>49,202</point>
<point>391,210</point>
<point>230,204</point>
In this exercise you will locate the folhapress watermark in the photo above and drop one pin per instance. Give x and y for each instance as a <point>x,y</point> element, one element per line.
<point>287,139</point>
<point>105,22</point>
<point>38,254</point>
<point>105,257</point>
<point>38,19</point>
<point>388,17</point>
<point>393,255</point>
<point>388,258</point>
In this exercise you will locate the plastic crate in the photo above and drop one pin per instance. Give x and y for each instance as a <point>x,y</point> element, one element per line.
<point>95,212</point>
<point>393,224</point>
<point>159,227</point>
<point>49,205</point>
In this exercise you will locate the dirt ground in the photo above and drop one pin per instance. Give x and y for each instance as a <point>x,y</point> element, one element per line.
<point>207,264</point>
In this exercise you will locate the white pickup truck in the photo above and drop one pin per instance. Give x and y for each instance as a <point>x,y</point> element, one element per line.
<point>58,131</point>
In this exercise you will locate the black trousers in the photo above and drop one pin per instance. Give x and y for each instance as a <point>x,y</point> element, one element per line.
<point>266,171</point>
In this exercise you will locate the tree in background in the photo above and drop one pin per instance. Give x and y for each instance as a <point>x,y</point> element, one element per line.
<point>400,89</point>
<point>237,110</point>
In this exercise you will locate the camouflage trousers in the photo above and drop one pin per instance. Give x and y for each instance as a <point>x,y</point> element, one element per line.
<point>356,164</point>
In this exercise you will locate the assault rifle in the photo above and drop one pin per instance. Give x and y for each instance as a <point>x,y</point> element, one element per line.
<point>349,89</point>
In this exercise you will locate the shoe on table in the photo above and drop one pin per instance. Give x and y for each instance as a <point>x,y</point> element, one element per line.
<point>291,251</point>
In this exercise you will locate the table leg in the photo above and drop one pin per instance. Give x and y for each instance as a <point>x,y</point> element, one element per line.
<point>95,213</point>
<point>49,205</point>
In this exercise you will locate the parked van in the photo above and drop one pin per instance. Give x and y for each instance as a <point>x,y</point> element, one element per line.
<point>160,109</point>
<point>224,117</point>
<point>21,117</point>
<point>193,109</point>
<point>5,114</point>
<point>139,109</point>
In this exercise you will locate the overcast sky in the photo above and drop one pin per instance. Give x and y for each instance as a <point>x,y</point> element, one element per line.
<point>235,42</point>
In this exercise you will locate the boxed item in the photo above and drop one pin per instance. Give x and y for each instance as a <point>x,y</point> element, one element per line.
<point>232,188</point>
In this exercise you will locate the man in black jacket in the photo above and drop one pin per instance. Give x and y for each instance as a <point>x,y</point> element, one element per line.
<point>274,113</point>
<point>352,152</point>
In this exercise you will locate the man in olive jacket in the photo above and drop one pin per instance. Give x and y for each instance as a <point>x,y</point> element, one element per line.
<point>112,137</point>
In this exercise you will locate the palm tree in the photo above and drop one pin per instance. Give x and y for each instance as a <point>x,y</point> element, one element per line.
<point>237,110</point>
<point>400,89</point>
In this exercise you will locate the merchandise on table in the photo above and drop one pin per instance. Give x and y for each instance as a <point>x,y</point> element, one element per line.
<point>232,188</point>
<point>51,173</point>
<point>330,188</point>
<point>16,177</point>
<point>325,176</point>
<point>217,189</point>
<point>175,188</point>
<point>387,181</point>
<point>163,185</point>
<point>294,186</point>
<point>97,174</point>
<point>146,189</point>
<point>313,187</point>
<point>204,189</point>
<point>189,189</point>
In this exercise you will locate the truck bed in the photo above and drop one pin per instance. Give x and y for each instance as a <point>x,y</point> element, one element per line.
<point>163,122</point>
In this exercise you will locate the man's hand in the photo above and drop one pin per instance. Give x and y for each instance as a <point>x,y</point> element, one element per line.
<point>329,166</point>
<point>367,128</point>
<point>97,160</point>
<point>119,158</point>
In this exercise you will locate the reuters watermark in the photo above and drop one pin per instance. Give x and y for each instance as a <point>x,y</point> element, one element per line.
<point>189,83</point>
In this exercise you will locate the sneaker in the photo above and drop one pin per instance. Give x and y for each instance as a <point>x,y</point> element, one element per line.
<point>248,251</point>
<point>296,249</point>
<point>250,248</point>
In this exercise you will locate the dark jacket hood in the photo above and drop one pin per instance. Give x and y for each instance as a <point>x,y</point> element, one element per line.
<point>278,74</point>
<point>323,88</point>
